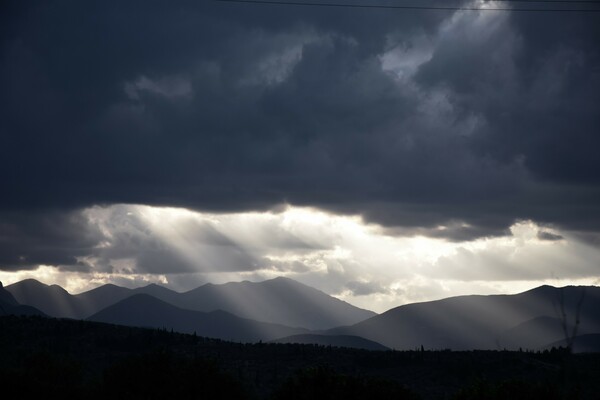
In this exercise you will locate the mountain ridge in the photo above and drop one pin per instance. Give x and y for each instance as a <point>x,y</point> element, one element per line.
<point>10,306</point>
<point>474,321</point>
<point>528,320</point>
<point>280,301</point>
<point>144,310</point>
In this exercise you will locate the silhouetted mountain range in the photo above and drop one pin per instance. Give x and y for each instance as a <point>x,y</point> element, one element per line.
<point>530,320</point>
<point>280,301</point>
<point>143,310</point>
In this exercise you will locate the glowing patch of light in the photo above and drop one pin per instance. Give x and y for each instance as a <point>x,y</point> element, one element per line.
<point>326,251</point>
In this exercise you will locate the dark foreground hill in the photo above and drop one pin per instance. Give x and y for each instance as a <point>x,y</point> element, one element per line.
<point>79,359</point>
<point>526,320</point>
<point>353,342</point>
<point>279,301</point>
<point>142,310</point>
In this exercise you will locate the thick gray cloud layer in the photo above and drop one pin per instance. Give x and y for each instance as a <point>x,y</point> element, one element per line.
<point>50,237</point>
<point>412,119</point>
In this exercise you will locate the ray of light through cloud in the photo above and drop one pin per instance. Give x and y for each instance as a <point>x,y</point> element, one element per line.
<point>342,255</point>
<point>382,157</point>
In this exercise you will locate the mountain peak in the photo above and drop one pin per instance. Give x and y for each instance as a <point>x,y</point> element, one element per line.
<point>152,285</point>
<point>544,289</point>
<point>33,284</point>
<point>110,285</point>
<point>29,282</point>
<point>280,300</point>
<point>285,279</point>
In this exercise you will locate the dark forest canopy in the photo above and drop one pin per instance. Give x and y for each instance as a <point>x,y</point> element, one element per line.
<point>82,359</point>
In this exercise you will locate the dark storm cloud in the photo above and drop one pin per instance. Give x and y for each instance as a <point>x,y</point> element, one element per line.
<point>239,107</point>
<point>51,238</point>
<point>535,82</point>
<point>123,239</point>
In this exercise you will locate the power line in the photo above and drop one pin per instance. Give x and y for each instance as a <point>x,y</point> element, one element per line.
<point>400,7</point>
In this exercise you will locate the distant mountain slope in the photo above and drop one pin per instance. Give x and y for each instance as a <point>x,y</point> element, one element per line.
<point>281,300</point>
<point>20,310</point>
<point>10,306</point>
<point>354,342</point>
<point>99,298</point>
<point>57,302</point>
<point>50,299</point>
<point>475,322</point>
<point>6,297</point>
<point>589,343</point>
<point>143,310</point>
<point>535,333</point>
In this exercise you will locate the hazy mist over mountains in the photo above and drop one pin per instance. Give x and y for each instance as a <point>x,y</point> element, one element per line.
<point>286,311</point>
<point>279,301</point>
<point>143,310</point>
<point>531,319</point>
<point>8,305</point>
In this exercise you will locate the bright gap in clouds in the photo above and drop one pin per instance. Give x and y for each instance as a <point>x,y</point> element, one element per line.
<point>341,255</point>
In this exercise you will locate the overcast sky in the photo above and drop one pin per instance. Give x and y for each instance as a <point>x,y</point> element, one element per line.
<point>383,156</point>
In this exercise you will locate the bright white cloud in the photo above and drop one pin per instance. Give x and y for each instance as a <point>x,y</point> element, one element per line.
<point>341,255</point>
